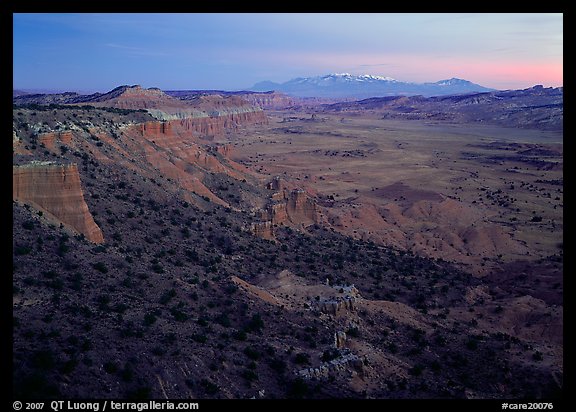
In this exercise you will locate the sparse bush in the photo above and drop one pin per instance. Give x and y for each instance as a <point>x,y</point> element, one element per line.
<point>416,370</point>
<point>298,389</point>
<point>278,365</point>
<point>28,224</point>
<point>100,267</point>
<point>302,358</point>
<point>330,354</point>
<point>251,353</point>
<point>43,359</point>
<point>149,319</point>
<point>210,387</point>
<point>20,250</point>
<point>178,314</point>
<point>249,375</point>
<point>200,338</point>
<point>537,356</point>
<point>256,324</point>
<point>354,332</point>
<point>223,320</point>
<point>157,268</point>
<point>168,296</point>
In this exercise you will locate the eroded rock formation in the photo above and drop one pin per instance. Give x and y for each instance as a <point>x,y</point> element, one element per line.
<point>289,206</point>
<point>345,362</point>
<point>51,139</point>
<point>55,189</point>
<point>263,230</point>
<point>270,100</point>
<point>219,121</point>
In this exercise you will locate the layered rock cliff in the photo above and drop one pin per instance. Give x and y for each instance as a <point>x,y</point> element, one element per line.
<point>270,100</point>
<point>206,114</point>
<point>287,206</point>
<point>51,139</point>
<point>55,189</point>
<point>219,121</point>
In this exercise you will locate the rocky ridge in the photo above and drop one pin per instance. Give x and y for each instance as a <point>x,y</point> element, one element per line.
<point>205,114</point>
<point>533,108</point>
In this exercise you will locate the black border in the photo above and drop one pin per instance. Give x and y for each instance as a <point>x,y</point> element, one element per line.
<point>142,6</point>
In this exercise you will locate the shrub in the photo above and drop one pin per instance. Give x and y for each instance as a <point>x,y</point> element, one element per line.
<point>302,358</point>
<point>43,360</point>
<point>251,353</point>
<point>416,370</point>
<point>255,324</point>
<point>210,387</point>
<point>28,224</point>
<point>167,296</point>
<point>278,365</point>
<point>100,267</point>
<point>298,389</point>
<point>149,319</point>
<point>199,338</point>
<point>20,250</point>
<point>249,375</point>
<point>178,314</point>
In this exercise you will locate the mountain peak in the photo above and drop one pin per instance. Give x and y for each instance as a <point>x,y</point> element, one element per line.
<point>346,85</point>
<point>453,81</point>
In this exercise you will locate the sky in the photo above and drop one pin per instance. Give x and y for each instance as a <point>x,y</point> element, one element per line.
<point>98,52</point>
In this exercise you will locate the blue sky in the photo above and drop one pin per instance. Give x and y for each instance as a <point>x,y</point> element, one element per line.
<point>97,52</point>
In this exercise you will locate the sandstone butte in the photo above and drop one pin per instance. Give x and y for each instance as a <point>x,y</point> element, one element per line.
<point>55,189</point>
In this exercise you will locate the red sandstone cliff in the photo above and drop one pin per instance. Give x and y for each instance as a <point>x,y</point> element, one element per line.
<point>218,124</point>
<point>51,139</point>
<point>205,115</point>
<point>287,206</point>
<point>263,230</point>
<point>55,189</point>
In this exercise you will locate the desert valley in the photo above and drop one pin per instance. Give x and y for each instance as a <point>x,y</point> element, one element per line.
<point>211,244</point>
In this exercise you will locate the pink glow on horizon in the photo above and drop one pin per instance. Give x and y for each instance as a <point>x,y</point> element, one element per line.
<point>500,74</point>
<point>506,73</point>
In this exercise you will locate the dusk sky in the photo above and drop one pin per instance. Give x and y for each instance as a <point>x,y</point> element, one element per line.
<point>97,52</point>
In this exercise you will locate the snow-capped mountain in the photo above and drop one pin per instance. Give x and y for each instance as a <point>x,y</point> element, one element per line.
<point>346,85</point>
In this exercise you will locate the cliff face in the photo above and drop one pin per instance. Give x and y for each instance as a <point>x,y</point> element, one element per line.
<point>270,100</point>
<point>287,206</point>
<point>263,230</point>
<point>51,139</point>
<point>219,122</point>
<point>56,189</point>
<point>301,208</point>
<point>176,140</point>
<point>205,115</point>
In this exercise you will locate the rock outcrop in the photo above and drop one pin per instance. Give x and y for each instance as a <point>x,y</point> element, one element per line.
<point>204,115</point>
<point>345,362</point>
<point>55,189</point>
<point>301,208</point>
<point>334,306</point>
<point>288,206</point>
<point>220,121</point>
<point>263,230</point>
<point>339,339</point>
<point>270,100</point>
<point>50,140</point>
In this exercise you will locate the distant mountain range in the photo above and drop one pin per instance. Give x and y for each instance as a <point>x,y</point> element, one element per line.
<point>345,85</point>
<point>533,108</point>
